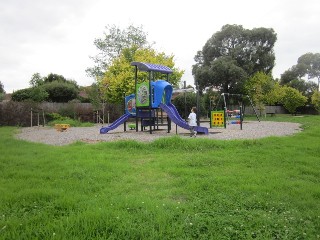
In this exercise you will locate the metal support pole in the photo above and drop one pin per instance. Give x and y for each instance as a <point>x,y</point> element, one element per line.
<point>224,100</point>
<point>241,117</point>
<point>103,111</point>
<point>135,89</point>
<point>44,119</point>
<point>185,101</point>
<point>225,117</point>
<point>150,102</point>
<point>124,111</point>
<point>198,106</point>
<point>253,108</point>
<point>31,118</point>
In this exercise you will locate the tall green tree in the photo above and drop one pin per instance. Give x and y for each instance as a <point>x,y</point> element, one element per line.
<point>54,88</point>
<point>292,99</point>
<point>243,51</point>
<point>36,80</point>
<point>1,88</point>
<point>227,69</point>
<point>311,63</point>
<point>2,92</point>
<point>308,65</point>
<point>61,91</point>
<point>119,78</point>
<point>36,94</point>
<point>258,88</point>
<point>315,100</point>
<point>112,43</point>
<point>94,95</point>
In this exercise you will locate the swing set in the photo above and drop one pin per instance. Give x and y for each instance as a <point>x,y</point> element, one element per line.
<point>226,115</point>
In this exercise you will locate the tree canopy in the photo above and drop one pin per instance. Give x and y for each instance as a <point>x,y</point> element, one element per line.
<point>119,78</point>
<point>37,94</point>
<point>315,100</point>
<point>54,88</point>
<point>233,54</point>
<point>117,49</point>
<point>259,88</point>
<point>2,92</point>
<point>307,65</point>
<point>1,88</point>
<point>112,43</point>
<point>292,99</point>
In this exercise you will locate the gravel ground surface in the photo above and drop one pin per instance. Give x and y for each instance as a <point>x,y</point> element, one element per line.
<point>251,130</point>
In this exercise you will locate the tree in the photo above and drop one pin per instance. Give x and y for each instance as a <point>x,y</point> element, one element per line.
<point>311,64</point>
<point>183,102</point>
<point>94,95</point>
<point>111,45</point>
<point>275,95</point>
<point>292,99</point>
<point>238,48</point>
<point>1,88</point>
<point>315,100</point>
<point>307,65</point>
<point>226,68</point>
<point>36,94</point>
<point>2,92</point>
<point>36,80</point>
<point>289,75</point>
<point>258,88</point>
<point>54,87</point>
<point>119,78</point>
<point>61,91</point>
<point>54,77</point>
<point>305,87</point>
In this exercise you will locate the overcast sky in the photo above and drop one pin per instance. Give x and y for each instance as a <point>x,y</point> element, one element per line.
<point>57,36</point>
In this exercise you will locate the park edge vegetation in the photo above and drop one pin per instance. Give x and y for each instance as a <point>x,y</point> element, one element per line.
<point>233,60</point>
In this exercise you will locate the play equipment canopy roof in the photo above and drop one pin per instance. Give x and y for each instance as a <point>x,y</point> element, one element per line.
<point>148,67</point>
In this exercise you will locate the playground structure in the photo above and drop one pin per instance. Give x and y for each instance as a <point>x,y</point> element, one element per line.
<point>151,98</point>
<point>220,118</point>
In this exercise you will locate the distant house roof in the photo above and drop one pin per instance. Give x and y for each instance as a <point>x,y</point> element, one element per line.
<point>150,67</point>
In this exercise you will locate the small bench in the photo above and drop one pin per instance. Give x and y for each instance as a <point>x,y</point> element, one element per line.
<point>271,114</point>
<point>61,127</point>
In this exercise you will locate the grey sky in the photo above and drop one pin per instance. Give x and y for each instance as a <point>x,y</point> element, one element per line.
<point>57,36</point>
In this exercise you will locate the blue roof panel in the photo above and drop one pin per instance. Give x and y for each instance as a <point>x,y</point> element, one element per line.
<point>148,67</point>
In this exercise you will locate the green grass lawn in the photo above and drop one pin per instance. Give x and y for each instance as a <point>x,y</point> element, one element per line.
<point>172,188</point>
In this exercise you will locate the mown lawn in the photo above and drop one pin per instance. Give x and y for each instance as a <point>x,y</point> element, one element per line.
<point>172,188</point>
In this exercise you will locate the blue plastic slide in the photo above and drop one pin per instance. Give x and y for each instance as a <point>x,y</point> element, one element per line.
<point>173,114</point>
<point>116,123</point>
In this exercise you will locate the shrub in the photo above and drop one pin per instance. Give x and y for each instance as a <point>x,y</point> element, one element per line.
<point>71,122</point>
<point>36,94</point>
<point>315,100</point>
<point>292,99</point>
<point>1,96</point>
<point>55,116</point>
<point>61,91</point>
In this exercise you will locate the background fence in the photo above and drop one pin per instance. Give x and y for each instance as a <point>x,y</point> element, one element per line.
<point>31,113</point>
<point>19,113</point>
